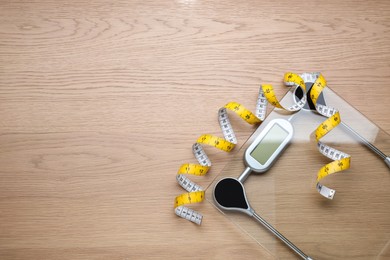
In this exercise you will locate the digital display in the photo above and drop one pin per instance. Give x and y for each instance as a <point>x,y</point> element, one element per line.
<point>268,145</point>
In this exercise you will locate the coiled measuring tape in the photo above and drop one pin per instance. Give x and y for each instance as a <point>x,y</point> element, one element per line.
<point>341,160</point>
<point>196,194</point>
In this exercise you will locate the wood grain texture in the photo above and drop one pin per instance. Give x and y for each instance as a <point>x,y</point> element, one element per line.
<point>101,101</point>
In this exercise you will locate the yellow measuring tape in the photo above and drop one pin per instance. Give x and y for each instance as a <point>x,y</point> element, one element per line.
<point>341,160</point>
<point>196,194</point>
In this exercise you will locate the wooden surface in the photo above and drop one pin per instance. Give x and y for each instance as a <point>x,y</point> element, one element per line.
<point>100,102</point>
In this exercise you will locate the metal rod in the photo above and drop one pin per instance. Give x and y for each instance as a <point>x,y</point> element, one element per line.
<point>365,141</point>
<point>280,236</point>
<point>368,144</point>
<point>244,175</point>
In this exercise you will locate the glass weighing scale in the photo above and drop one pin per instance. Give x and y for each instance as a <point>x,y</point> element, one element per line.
<point>354,225</point>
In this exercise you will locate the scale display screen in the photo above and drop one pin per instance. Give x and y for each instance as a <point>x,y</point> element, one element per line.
<point>268,145</point>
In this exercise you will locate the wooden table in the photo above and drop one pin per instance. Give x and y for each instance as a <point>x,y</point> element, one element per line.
<point>100,102</point>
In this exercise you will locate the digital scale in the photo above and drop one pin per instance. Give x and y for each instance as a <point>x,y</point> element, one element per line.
<point>285,192</point>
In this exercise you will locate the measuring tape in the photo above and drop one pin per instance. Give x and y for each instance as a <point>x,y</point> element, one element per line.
<point>341,160</point>
<point>196,194</point>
